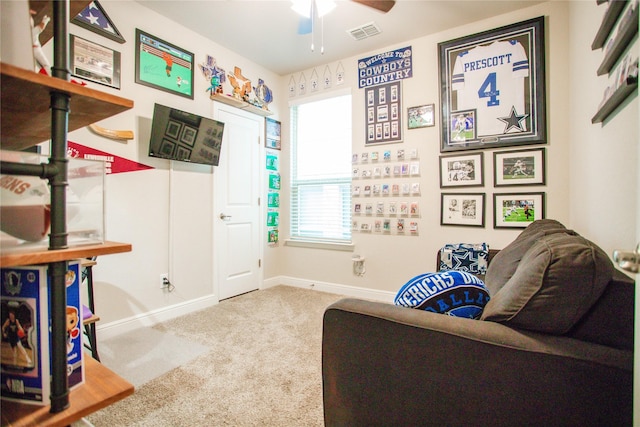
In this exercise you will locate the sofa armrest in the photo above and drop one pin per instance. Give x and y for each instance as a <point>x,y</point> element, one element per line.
<point>389,365</point>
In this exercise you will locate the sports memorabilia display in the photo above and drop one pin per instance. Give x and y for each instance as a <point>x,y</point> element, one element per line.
<point>493,88</point>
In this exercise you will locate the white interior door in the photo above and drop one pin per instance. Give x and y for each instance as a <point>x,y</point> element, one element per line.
<point>237,226</point>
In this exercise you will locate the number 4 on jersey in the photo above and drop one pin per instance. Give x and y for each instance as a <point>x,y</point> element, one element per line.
<point>489,89</point>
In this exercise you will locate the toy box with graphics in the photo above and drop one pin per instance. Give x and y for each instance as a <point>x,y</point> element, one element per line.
<point>25,345</point>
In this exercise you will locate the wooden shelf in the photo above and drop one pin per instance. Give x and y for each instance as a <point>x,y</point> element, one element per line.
<point>627,88</point>
<point>626,32</point>
<point>609,20</point>
<point>102,387</point>
<point>45,256</point>
<point>229,100</point>
<point>25,99</point>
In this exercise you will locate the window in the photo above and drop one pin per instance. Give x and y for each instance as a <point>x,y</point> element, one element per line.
<point>321,170</point>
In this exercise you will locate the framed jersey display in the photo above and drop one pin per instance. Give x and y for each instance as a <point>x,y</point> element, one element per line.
<point>493,88</point>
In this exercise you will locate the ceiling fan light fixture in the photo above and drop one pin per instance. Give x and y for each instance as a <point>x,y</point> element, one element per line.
<point>324,7</point>
<point>364,31</point>
<point>304,7</point>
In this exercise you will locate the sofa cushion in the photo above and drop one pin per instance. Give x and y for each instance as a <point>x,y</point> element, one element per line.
<point>557,281</point>
<point>456,293</point>
<point>610,321</point>
<point>503,265</point>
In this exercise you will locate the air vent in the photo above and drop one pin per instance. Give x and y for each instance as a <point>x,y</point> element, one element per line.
<point>364,31</point>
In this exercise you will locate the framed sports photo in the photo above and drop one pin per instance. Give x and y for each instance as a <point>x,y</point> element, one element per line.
<point>493,88</point>
<point>462,170</point>
<point>383,110</point>
<point>462,209</point>
<point>517,210</point>
<point>421,116</point>
<point>163,66</point>
<point>93,62</point>
<point>519,167</point>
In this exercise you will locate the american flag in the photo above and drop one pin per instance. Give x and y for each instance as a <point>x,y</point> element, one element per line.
<point>94,16</point>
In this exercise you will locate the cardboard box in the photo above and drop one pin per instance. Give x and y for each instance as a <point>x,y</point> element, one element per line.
<point>25,346</point>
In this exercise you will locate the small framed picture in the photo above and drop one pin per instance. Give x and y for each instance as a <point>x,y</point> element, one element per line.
<point>520,167</point>
<point>272,134</point>
<point>95,63</point>
<point>462,209</point>
<point>188,135</point>
<point>462,171</point>
<point>421,116</point>
<point>517,210</point>
<point>167,147</point>
<point>173,129</point>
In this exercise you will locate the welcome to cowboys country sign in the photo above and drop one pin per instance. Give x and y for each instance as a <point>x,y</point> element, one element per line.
<point>385,67</point>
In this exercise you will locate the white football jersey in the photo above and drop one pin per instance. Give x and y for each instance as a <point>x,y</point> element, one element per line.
<point>490,79</point>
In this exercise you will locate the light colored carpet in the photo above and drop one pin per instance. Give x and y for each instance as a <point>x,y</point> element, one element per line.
<point>261,366</point>
<point>142,355</point>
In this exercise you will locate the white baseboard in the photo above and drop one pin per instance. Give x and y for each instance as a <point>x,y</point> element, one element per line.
<point>151,318</point>
<point>334,288</point>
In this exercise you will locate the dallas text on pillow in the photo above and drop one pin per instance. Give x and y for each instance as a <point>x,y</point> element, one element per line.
<point>455,293</point>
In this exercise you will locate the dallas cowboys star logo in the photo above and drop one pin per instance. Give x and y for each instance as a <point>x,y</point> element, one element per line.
<point>514,120</point>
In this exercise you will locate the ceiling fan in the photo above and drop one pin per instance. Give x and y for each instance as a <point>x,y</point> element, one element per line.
<point>311,9</point>
<point>381,5</point>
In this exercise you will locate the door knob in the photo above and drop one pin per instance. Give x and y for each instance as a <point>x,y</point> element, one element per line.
<point>225,217</point>
<point>629,261</point>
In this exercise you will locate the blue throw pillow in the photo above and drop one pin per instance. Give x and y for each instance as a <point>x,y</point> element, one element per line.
<point>455,293</point>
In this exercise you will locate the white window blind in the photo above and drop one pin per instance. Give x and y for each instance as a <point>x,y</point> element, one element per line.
<point>321,170</point>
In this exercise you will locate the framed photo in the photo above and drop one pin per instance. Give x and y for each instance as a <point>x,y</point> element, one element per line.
<point>519,167</point>
<point>188,135</point>
<point>517,210</point>
<point>94,18</point>
<point>163,66</point>
<point>493,88</point>
<point>462,171</point>
<point>273,130</point>
<point>422,116</point>
<point>173,129</point>
<point>462,209</point>
<point>95,63</point>
<point>383,110</point>
<point>167,147</point>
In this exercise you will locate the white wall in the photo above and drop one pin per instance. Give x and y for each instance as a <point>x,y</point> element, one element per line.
<point>391,260</point>
<point>605,160</point>
<point>166,213</point>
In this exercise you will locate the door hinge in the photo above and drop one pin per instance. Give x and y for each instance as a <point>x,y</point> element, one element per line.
<point>259,263</point>
<point>258,201</point>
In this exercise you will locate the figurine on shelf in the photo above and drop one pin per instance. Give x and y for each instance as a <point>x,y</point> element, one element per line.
<point>215,75</point>
<point>241,85</point>
<point>38,53</point>
<point>263,95</point>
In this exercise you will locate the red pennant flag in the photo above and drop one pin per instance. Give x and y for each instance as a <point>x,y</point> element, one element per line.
<point>114,164</point>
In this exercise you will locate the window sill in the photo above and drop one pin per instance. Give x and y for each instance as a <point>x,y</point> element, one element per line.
<point>346,247</point>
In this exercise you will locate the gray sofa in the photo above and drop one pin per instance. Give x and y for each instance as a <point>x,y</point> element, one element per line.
<point>554,347</point>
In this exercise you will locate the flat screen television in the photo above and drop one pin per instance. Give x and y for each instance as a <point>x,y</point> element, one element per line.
<point>186,137</point>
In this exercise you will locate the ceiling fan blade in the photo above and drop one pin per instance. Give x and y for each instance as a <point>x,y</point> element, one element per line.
<point>381,5</point>
<point>304,26</point>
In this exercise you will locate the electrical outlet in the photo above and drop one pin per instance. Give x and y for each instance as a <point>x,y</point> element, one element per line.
<point>164,280</point>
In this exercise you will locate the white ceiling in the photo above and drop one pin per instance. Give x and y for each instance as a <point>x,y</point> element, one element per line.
<point>266,31</point>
